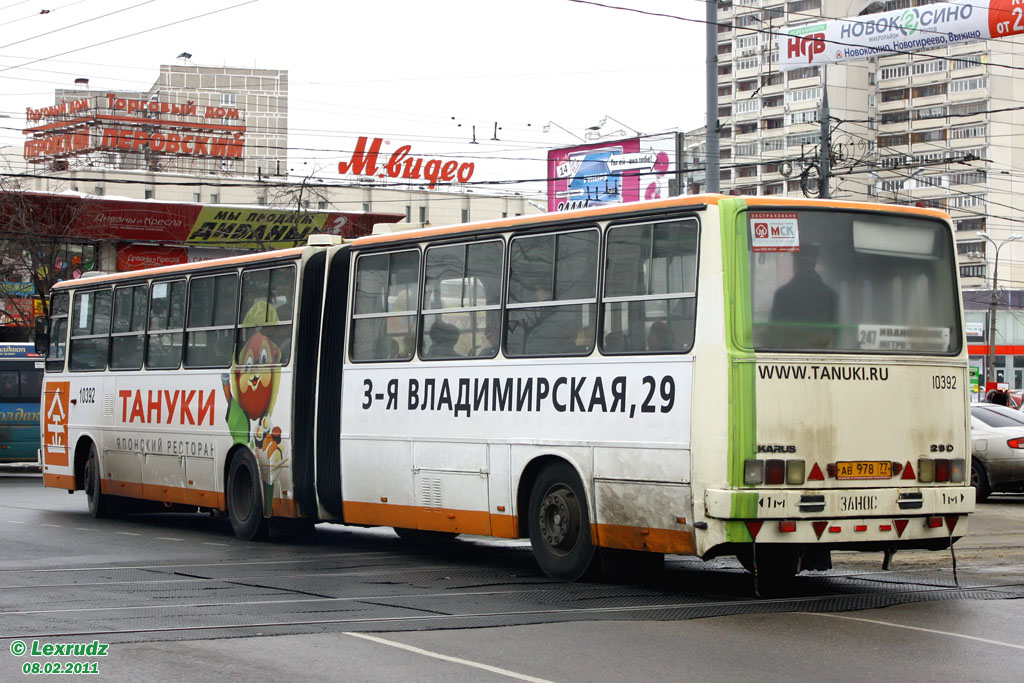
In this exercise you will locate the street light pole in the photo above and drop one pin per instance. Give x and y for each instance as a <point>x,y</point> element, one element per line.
<point>990,363</point>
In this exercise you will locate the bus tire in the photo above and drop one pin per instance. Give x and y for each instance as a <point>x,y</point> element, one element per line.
<point>245,498</point>
<point>979,480</point>
<point>424,537</point>
<point>99,504</point>
<point>559,524</point>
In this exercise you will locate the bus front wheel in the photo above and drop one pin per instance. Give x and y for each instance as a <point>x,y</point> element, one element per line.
<point>245,499</point>
<point>559,524</point>
<point>99,505</point>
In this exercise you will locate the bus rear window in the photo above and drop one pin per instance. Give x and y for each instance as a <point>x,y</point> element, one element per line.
<point>852,281</point>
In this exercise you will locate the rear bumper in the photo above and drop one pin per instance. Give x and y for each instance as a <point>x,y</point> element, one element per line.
<point>843,516</point>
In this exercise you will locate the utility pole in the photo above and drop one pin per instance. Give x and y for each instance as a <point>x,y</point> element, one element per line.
<point>993,302</point>
<point>825,162</point>
<point>711,168</point>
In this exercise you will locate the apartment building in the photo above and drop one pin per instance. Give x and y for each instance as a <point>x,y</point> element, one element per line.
<point>935,127</point>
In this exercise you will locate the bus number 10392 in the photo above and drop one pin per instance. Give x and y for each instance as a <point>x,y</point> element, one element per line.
<point>943,381</point>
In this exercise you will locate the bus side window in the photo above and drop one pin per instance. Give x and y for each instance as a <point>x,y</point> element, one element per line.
<point>552,294</point>
<point>211,321</point>
<point>650,284</point>
<point>166,322</point>
<point>9,390</point>
<point>58,332</point>
<point>462,301</point>
<point>128,328</point>
<point>264,318</point>
<point>31,384</point>
<point>90,330</point>
<point>384,311</point>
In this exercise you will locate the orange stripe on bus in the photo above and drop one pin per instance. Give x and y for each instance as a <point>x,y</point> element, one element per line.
<point>474,522</point>
<point>539,219</point>
<point>59,481</point>
<point>840,204</point>
<point>167,494</point>
<point>181,267</point>
<point>671,541</point>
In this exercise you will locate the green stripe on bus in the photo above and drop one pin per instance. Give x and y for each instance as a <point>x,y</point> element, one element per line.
<point>738,338</point>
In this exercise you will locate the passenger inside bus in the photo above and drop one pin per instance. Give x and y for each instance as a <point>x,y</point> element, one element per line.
<point>443,338</point>
<point>659,338</point>
<point>804,309</point>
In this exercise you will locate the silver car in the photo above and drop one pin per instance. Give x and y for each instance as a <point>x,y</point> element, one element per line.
<point>997,449</point>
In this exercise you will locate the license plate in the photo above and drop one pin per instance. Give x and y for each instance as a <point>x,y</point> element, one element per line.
<point>864,469</point>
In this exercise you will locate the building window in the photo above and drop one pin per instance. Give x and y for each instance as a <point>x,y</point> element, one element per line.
<point>803,95</point>
<point>888,72</point>
<point>149,194</point>
<point>98,190</point>
<point>214,198</point>
<point>965,84</point>
<point>366,207</point>
<point>423,214</point>
<point>196,197</point>
<point>408,213</point>
<point>931,66</point>
<point>465,215</point>
<point>228,99</point>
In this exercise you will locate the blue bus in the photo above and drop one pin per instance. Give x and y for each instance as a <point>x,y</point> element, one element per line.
<point>21,376</point>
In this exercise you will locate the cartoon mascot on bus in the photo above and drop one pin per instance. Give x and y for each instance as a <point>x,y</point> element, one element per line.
<point>251,391</point>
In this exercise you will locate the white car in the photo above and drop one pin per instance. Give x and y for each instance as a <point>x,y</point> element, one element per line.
<point>997,449</point>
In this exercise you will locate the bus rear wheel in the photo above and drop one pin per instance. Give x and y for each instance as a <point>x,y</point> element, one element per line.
<point>99,504</point>
<point>245,499</point>
<point>559,524</point>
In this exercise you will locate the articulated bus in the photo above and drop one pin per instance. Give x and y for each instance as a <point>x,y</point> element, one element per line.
<point>21,380</point>
<point>703,375</point>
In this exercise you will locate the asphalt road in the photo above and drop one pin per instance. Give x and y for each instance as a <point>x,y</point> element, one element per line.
<point>177,597</point>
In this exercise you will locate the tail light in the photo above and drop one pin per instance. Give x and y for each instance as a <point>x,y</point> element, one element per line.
<point>753,472</point>
<point>774,471</point>
<point>795,472</point>
<point>1016,443</point>
<point>941,470</point>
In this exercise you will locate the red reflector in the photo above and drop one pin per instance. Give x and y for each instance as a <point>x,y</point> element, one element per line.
<point>885,527</point>
<point>900,525</point>
<point>819,528</point>
<point>896,468</point>
<point>774,471</point>
<point>787,526</point>
<point>754,527</point>
<point>908,472</point>
<point>835,529</point>
<point>951,521</point>
<point>832,469</point>
<point>933,522</point>
<point>861,527</point>
<point>815,474</point>
<point>942,469</point>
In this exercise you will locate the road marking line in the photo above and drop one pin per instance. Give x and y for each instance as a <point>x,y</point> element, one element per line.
<point>918,628</point>
<point>55,526</point>
<point>14,521</point>
<point>127,533</point>
<point>168,538</point>
<point>83,528</point>
<point>210,543</point>
<point>447,658</point>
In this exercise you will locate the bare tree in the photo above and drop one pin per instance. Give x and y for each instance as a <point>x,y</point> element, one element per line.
<point>37,250</point>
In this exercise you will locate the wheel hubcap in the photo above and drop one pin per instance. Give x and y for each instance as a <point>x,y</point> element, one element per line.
<point>560,519</point>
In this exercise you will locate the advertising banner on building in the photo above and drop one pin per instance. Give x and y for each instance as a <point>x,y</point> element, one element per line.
<point>907,30</point>
<point>186,224</point>
<point>610,172</point>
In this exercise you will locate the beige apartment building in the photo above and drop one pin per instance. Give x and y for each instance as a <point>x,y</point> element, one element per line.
<point>936,128</point>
